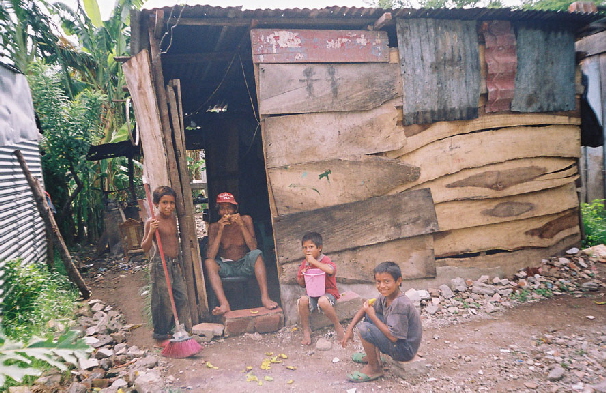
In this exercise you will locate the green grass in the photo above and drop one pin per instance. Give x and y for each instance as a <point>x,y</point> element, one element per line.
<point>594,222</point>
<point>33,297</point>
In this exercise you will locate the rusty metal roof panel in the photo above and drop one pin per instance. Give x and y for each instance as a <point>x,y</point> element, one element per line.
<point>342,12</point>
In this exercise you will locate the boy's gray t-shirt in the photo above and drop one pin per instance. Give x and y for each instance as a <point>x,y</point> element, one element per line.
<point>402,318</point>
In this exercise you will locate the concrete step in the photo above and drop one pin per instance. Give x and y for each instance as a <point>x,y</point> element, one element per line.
<point>252,320</point>
<point>346,307</point>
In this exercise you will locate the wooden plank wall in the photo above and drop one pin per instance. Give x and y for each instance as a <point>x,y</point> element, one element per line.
<point>501,184</point>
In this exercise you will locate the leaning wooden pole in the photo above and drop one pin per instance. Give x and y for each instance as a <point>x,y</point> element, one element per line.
<point>52,228</point>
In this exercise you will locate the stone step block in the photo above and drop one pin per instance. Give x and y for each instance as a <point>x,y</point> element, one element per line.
<point>252,320</point>
<point>346,307</point>
<point>415,369</point>
<point>207,330</point>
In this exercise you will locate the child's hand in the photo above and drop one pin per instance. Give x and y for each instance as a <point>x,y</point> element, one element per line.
<point>153,225</point>
<point>347,337</point>
<point>368,309</point>
<point>310,260</point>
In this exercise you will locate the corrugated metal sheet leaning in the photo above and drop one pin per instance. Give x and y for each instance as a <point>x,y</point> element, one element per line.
<point>22,231</point>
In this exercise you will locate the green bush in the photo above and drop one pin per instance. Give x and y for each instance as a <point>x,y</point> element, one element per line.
<point>33,296</point>
<point>594,222</point>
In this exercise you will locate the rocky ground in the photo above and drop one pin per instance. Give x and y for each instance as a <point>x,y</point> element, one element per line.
<point>543,330</point>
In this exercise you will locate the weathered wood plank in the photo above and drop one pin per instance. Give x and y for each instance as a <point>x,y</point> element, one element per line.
<point>304,88</point>
<point>502,179</point>
<point>511,262</point>
<point>593,44</point>
<point>187,226</point>
<point>440,69</point>
<point>460,152</point>
<point>137,72</point>
<point>295,139</point>
<point>319,46</point>
<point>414,255</point>
<point>546,67</point>
<point>319,184</point>
<point>543,231</point>
<point>357,224</point>
<point>419,136</point>
<point>466,214</point>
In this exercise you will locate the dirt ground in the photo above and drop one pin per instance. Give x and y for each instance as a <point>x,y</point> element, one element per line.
<point>499,352</point>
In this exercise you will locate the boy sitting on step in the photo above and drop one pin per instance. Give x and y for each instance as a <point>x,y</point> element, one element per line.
<point>312,248</point>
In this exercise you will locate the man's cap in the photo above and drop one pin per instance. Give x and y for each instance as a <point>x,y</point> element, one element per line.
<point>226,197</point>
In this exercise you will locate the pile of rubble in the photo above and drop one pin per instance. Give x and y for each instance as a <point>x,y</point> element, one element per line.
<point>574,274</point>
<point>112,366</point>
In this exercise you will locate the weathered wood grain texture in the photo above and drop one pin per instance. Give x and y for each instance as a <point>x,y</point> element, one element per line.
<point>593,44</point>
<point>357,224</point>
<point>319,46</point>
<point>305,88</point>
<point>137,72</point>
<point>460,152</point>
<point>543,231</point>
<point>296,139</point>
<point>466,214</point>
<point>502,179</point>
<point>314,185</point>
<point>187,224</point>
<point>419,136</point>
<point>545,74</point>
<point>440,69</point>
<point>414,255</point>
<point>511,262</point>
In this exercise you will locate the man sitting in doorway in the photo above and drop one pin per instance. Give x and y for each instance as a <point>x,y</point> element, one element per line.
<point>232,251</point>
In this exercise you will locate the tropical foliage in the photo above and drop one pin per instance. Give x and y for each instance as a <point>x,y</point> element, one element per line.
<point>594,222</point>
<point>69,58</point>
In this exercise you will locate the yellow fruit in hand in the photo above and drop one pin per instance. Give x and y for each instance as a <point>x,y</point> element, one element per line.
<point>371,301</point>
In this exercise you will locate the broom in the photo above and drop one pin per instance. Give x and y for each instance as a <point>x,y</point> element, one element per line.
<point>181,345</point>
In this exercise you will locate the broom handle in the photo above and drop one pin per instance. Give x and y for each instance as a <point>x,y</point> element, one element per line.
<point>161,250</point>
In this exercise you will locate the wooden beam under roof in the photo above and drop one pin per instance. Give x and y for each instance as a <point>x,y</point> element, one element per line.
<point>271,21</point>
<point>197,57</point>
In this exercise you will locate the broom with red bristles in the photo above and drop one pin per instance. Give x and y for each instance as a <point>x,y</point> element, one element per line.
<point>181,345</point>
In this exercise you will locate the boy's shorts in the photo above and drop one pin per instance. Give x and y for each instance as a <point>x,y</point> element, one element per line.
<point>399,351</point>
<point>243,267</point>
<point>313,302</point>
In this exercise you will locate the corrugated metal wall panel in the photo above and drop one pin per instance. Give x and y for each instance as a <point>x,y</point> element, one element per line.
<point>22,231</point>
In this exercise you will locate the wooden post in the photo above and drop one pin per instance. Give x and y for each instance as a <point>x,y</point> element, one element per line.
<point>51,227</point>
<point>173,173</point>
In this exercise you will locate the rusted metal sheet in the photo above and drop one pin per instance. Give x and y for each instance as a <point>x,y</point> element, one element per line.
<point>319,46</point>
<point>545,74</point>
<point>501,63</point>
<point>440,70</point>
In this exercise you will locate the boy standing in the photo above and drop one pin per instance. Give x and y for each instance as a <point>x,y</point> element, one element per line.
<point>166,225</point>
<point>392,325</point>
<point>312,248</point>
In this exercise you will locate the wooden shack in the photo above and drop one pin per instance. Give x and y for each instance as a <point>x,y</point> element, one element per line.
<point>444,140</point>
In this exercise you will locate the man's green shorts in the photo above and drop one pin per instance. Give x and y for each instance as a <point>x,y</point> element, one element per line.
<point>243,267</point>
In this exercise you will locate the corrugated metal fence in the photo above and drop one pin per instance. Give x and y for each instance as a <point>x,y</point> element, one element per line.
<point>22,232</point>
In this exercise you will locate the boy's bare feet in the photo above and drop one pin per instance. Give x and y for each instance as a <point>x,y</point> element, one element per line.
<point>306,337</point>
<point>222,309</point>
<point>268,303</point>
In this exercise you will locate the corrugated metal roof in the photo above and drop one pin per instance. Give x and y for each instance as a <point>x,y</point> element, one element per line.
<point>342,12</point>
